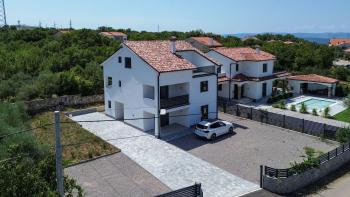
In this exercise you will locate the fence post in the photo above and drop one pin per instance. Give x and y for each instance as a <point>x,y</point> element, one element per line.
<point>284,121</point>
<point>343,147</point>
<point>328,156</point>
<point>303,125</point>
<point>58,155</point>
<point>324,130</point>
<point>336,152</point>
<point>198,189</point>
<point>237,111</point>
<point>261,175</point>
<point>251,113</point>
<point>225,106</point>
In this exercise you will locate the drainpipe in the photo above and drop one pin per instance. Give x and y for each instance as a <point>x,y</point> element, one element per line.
<point>217,94</point>
<point>229,83</point>
<point>157,119</point>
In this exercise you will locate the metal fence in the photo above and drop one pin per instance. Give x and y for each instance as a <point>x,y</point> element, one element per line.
<point>287,122</point>
<point>285,173</point>
<point>191,191</point>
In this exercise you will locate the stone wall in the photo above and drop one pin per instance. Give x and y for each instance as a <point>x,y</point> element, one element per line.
<point>39,105</point>
<point>293,183</point>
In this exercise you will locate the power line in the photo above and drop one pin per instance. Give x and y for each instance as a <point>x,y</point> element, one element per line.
<point>26,130</point>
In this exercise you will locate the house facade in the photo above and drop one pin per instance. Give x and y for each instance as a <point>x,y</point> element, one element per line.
<point>151,84</point>
<point>246,73</point>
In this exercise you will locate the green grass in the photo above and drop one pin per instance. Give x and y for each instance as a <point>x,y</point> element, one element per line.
<point>343,116</point>
<point>88,145</point>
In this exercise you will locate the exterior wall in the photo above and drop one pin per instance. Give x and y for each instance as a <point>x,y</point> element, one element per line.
<point>131,91</point>
<point>293,183</point>
<point>224,93</point>
<point>225,63</point>
<point>195,58</point>
<point>294,85</point>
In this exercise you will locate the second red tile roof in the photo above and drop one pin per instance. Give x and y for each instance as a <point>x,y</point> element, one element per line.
<point>244,54</point>
<point>207,41</point>
<point>313,78</point>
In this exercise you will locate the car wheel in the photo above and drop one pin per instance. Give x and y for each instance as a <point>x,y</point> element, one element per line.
<point>230,130</point>
<point>213,136</point>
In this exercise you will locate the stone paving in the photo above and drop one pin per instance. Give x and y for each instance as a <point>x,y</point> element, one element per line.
<point>174,167</point>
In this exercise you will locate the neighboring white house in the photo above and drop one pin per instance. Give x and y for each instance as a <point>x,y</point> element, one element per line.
<point>144,79</point>
<point>341,62</point>
<point>246,72</point>
<point>312,83</point>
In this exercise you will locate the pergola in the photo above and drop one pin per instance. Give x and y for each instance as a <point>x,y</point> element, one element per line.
<point>301,84</point>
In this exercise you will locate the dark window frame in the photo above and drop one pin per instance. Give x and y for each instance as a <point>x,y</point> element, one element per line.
<point>237,67</point>
<point>265,67</point>
<point>127,62</point>
<point>109,81</point>
<point>218,70</point>
<point>219,87</point>
<point>120,59</point>
<point>204,86</point>
<point>109,104</point>
<point>120,83</point>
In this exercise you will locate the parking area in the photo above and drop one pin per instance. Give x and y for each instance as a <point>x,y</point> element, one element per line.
<point>252,145</point>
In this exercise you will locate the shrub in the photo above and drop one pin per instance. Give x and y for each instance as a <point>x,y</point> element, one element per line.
<point>282,104</point>
<point>314,112</point>
<point>303,108</point>
<point>293,108</point>
<point>311,161</point>
<point>347,101</point>
<point>326,112</point>
<point>343,135</point>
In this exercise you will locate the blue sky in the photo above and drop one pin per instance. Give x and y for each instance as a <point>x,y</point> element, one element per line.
<point>218,16</point>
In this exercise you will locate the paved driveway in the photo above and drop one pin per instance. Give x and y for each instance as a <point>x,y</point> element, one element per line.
<point>254,144</point>
<point>172,166</point>
<point>116,176</point>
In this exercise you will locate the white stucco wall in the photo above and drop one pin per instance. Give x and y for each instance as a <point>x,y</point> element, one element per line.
<point>195,58</point>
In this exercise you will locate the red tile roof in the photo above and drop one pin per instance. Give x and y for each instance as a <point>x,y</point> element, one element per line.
<point>158,55</point>
<point>244,54</point>
<point>313,78</point>
<point>207,41</point>
<point>113,33</point>
<point>339,41</point>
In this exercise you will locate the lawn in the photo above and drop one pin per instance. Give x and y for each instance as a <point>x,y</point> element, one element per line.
<point>343,116</point>
<point>81,143</point>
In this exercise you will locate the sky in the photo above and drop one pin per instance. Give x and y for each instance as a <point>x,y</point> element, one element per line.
<point>217,16</point>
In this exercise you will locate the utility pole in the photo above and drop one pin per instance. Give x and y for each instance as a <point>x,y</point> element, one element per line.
<point>70,24</point>
<point>59,171</point>
<point>2,13</point>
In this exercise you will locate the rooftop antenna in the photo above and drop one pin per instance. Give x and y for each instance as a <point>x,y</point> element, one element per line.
<point>70,24</point>
<point>3,21</point>
<point>158,28</point>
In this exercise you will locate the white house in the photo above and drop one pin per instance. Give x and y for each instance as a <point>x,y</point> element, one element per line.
<point>115,35</point>
<point>312,83</point>
<point>246,72</point>
<point>145,79</point>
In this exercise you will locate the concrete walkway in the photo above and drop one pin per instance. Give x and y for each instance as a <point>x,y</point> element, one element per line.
<point>172,166</point>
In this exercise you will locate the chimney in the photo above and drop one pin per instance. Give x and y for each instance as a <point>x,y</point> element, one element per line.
<point>257,49</point>
<point>173,44</point>
<point>211,41</point>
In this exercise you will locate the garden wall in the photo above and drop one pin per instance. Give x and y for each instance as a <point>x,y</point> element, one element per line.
<point>39,105</point>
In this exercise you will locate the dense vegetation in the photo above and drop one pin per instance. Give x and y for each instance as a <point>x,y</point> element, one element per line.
<point>30,171</point>
<point>38,64</point>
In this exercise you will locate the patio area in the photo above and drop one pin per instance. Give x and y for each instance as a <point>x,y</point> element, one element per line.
<point>172,131</point>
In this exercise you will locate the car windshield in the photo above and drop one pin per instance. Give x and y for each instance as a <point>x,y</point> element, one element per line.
<point>200,126</point>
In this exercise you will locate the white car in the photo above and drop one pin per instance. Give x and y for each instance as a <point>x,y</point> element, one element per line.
<point>211,129</point>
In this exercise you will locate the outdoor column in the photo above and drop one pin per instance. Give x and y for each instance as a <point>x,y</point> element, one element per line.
<point>156,126</point>
<point>330,92</point>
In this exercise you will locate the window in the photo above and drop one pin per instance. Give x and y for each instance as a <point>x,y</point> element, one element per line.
<point>127,62</point>
<point>109,81</point>
<point>215,125</point>
<point>204,86</point>
<point>218,70</point>
<point>120,59</point>
<point>120,83</point>
<point>109,104</point>
<point>264,68</point>
<point>237,67</point>
<point>220,87</point>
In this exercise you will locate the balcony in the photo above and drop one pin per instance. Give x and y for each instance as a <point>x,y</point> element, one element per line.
<point>178,101</point>
<point>204,71</point>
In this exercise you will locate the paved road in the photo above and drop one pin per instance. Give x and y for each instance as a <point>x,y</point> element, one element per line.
<point>254,144</point>
<point>116,176</point>
<point>172,166</point>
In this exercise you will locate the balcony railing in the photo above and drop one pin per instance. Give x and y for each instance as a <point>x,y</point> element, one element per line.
<point>173,102</point>
<point>206,70</point>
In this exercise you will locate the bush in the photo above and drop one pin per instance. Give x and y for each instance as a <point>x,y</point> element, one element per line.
<point>311,161</point>
<point>343,135</point>
<point>326,112</point>
<point>282,104</point>
<point>293,108</point>
<point>303,108</point>
<point>314,112</point>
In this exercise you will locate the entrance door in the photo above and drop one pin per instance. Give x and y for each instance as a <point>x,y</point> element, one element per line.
<point>164,92</point>
<point>204,112</point>
<point>304,88</point>
<point>235,91</point>
<point>264,89</point>
<point>164,120</point>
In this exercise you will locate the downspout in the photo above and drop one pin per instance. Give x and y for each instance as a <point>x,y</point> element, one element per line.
<point>217,94</point>
<point>158,108</point>
<point>229,83</point>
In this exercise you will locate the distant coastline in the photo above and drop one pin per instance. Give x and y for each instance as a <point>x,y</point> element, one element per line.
<point>320,38</point>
